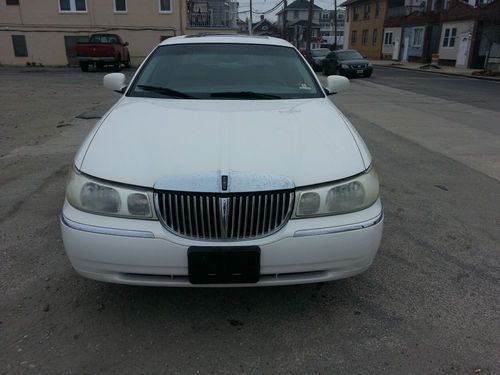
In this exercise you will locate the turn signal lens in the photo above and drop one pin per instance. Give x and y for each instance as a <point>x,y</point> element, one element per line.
<point>309,204</point>
<point>138,204</point>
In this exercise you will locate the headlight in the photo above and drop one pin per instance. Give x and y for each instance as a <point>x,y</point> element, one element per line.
<point>344,66</point>
<point>369,64</point>
<point>343,197</point>
<point>99,197</point>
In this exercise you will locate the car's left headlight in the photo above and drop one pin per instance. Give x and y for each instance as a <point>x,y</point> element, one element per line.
<point>104,198</point>
<point>369,64</point>
<point>353,194</point>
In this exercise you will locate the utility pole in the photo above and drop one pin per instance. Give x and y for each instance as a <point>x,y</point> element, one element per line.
<point>250,28</point>
<point>309,26</point>
<point>335,27</point>
<point>285,27</point>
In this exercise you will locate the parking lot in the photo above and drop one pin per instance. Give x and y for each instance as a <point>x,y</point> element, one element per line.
<point>430,303</point>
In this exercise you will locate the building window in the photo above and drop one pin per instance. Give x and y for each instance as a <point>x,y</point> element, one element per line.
<point>355,16</point>
<point>12,2</point>
<point>418,36</point>
<point>364,37</point>
<point>165,6</point>
<point>374,37</point>
<point>388,38</point>
<point>19,44</point>
<point>295,14</point>
<point>73,5</point>
<point>120,6</point>
<point>449,37</point>
<point>366,14</point>
<point>377,9</point>
<point>354,36</point>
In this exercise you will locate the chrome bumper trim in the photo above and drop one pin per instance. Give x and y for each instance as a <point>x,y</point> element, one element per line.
<point>104,230</point>
<point>341,228</point>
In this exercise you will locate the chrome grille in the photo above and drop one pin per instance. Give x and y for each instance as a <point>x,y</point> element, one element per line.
<point>224,216</point>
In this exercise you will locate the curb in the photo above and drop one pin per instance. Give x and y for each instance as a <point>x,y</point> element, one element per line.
<point>442,73</point>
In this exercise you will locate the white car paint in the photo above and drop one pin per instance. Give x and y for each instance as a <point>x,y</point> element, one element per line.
<point>304,139</point>
<point>141,140</point>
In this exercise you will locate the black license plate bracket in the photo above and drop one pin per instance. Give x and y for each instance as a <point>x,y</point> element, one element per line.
<point>224,264</point>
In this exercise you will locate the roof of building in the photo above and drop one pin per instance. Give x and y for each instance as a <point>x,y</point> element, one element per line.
<point>300,5</point>
<point>221,38</point>
<point>350,2</point>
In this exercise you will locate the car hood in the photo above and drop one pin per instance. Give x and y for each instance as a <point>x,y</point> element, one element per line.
<point>142,140</point>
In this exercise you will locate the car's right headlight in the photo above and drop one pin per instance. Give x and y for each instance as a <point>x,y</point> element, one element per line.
<point>105,198</point>
<point>344,66</point>
<point>353,194</point>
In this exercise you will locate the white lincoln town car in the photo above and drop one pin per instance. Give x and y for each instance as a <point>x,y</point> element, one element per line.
<point>224,163</point>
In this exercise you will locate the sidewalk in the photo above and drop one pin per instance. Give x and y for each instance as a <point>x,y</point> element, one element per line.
<point>448,70</point>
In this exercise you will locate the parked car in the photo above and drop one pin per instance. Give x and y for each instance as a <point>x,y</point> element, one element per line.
<point>101,50</point>
<point>209,171</point>
<point>348,63</point>
<point>317,57</point>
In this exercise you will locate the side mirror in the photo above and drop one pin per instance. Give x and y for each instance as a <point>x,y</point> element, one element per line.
<point>336,84</point>
<point>115,82</point>
<point>125,44</point>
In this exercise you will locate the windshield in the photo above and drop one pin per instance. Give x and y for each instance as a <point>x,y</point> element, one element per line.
<point>225,71</point>
<point>103,39</point>
<point>349,55</point>
<point>320,52</point>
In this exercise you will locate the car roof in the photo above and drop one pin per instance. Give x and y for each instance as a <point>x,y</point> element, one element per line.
<point>230,39</point>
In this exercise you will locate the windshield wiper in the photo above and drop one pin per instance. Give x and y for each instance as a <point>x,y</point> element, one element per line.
<point>244,95</point>
<point>166,91</point>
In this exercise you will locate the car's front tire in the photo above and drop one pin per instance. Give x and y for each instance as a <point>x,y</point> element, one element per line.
<point>117,66</point>
<point>84,66</point>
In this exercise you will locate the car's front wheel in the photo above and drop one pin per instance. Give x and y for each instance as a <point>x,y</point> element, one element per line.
<point>368,75</point>
<point>84,66</point>
<point>118,64</point>
<point>327,71</point>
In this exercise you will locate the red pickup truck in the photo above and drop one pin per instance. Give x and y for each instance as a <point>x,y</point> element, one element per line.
<point>103,49</point>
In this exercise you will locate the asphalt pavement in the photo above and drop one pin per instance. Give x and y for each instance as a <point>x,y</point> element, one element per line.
<point>430,303</point>
<point>471,91</point>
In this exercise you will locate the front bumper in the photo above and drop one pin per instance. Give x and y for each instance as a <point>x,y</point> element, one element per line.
<point>351,72</point>
<point>102,59</point>
<point>142,252</point>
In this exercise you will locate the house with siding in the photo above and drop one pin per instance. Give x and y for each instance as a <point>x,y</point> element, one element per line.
<point>468,31</point>
<point>454,31</point>
<point>293,23</point>
<point>47,31</point>
<point>364,26</point>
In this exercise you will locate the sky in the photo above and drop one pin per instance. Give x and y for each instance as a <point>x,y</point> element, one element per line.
<point>263,5</point>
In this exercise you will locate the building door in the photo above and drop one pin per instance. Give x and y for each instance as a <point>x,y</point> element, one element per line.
<point>463,51</point>
<point>70,42</point>
<point>395,51</point>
